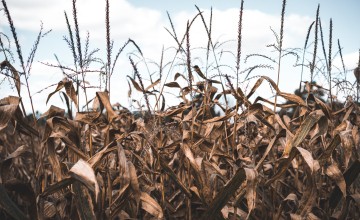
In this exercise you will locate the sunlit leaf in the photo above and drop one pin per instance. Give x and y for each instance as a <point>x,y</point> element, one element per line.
<point>83,172</point>
<point>151,206</point>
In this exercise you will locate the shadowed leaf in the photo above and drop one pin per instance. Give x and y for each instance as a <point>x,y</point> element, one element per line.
<point>9,206</point>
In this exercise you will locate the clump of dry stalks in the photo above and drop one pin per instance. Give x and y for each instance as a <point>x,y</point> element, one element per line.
<point>184,162</point>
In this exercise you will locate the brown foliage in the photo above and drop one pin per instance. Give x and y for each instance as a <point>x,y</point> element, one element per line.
<point>174,163</point>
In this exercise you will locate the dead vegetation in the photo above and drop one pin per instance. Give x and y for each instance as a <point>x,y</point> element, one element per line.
<point>183,162</point>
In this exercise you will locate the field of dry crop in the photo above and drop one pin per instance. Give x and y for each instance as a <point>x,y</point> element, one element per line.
<point>200,159</point>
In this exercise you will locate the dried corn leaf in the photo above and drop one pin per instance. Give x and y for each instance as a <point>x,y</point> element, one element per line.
<point>53,111</point>
<point>177,75</point>
<point>8,108</point>
<point>287,96</point>
<point>347,143</point>
<point>53,159</point>
<point>350,175</point>
<point>175,178</point>
<point>14,73</point>
<point>105,102</point>
<point>83,172</point>
<point>219,118</point>
<point>135,84</point>
<point>95,160</point>
<point>134,183</point>
<point>291,201</point>
<point>87,117</point>
<point>251,183</point>
<point>23,149</point>
<point>325,109</point>
<point>304,129</point>
<point>306,155</point>
<point>230,210</point>
<point>269,147</point>
<point>61,185</point>
<point>70,91</point>
<point>85,208</point>
<point>69,88</point>
<point>151,206</point>
<point>334,173</point>
<point>336,141</point>
<point>152,85</point>
<point>223,196</point>
<point>198,71</point>
<point>321,129</point>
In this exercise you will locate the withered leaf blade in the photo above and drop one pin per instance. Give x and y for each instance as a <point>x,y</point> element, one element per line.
<point>23,149</point>
<point>123,166</point>
<point>294,216</point>
<point>151,206</point>
<point>94,160</point>
<point>57,186</point>
<point>53,159</point>
<point>177,75</point>
<point>172,85</point>
<point>226,210</point>
<point>293,98</point>
<point>83,172</point>
<point>336,141</point>
<point>291,200</point>
<point>224,195</point>
<point>347,143</point>
<point>104,101</point>
<point>190,155</point>
<point>322,128</point>
<point>325,109</point>
<point>8,108</point>
<point>152,85</point>
<point>251,177</point>
<point>334,173</point>
<point>306,155</point>
<point>287,96</point>
<point>219,118</point>
<point>134,183</point>
<point>53,111</point>
<point>284,163</point>
<point>304,129</point>
<point>174,177</point>
<point>199,72</point>
<point>60,85</point>
<point>350,175</point>
<point>309,196</point>
<point>269,147</point>
<point>83,203</point>
<point>14,72</point>
<point>135,84</point>
<point>70,91</point>
<point>87,117</point>
<point>356,198</point>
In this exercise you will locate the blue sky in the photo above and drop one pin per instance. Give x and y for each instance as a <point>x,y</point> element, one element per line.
<point>144,22</point>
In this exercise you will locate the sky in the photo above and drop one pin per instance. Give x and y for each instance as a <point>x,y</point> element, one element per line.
<point>145,23</point>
